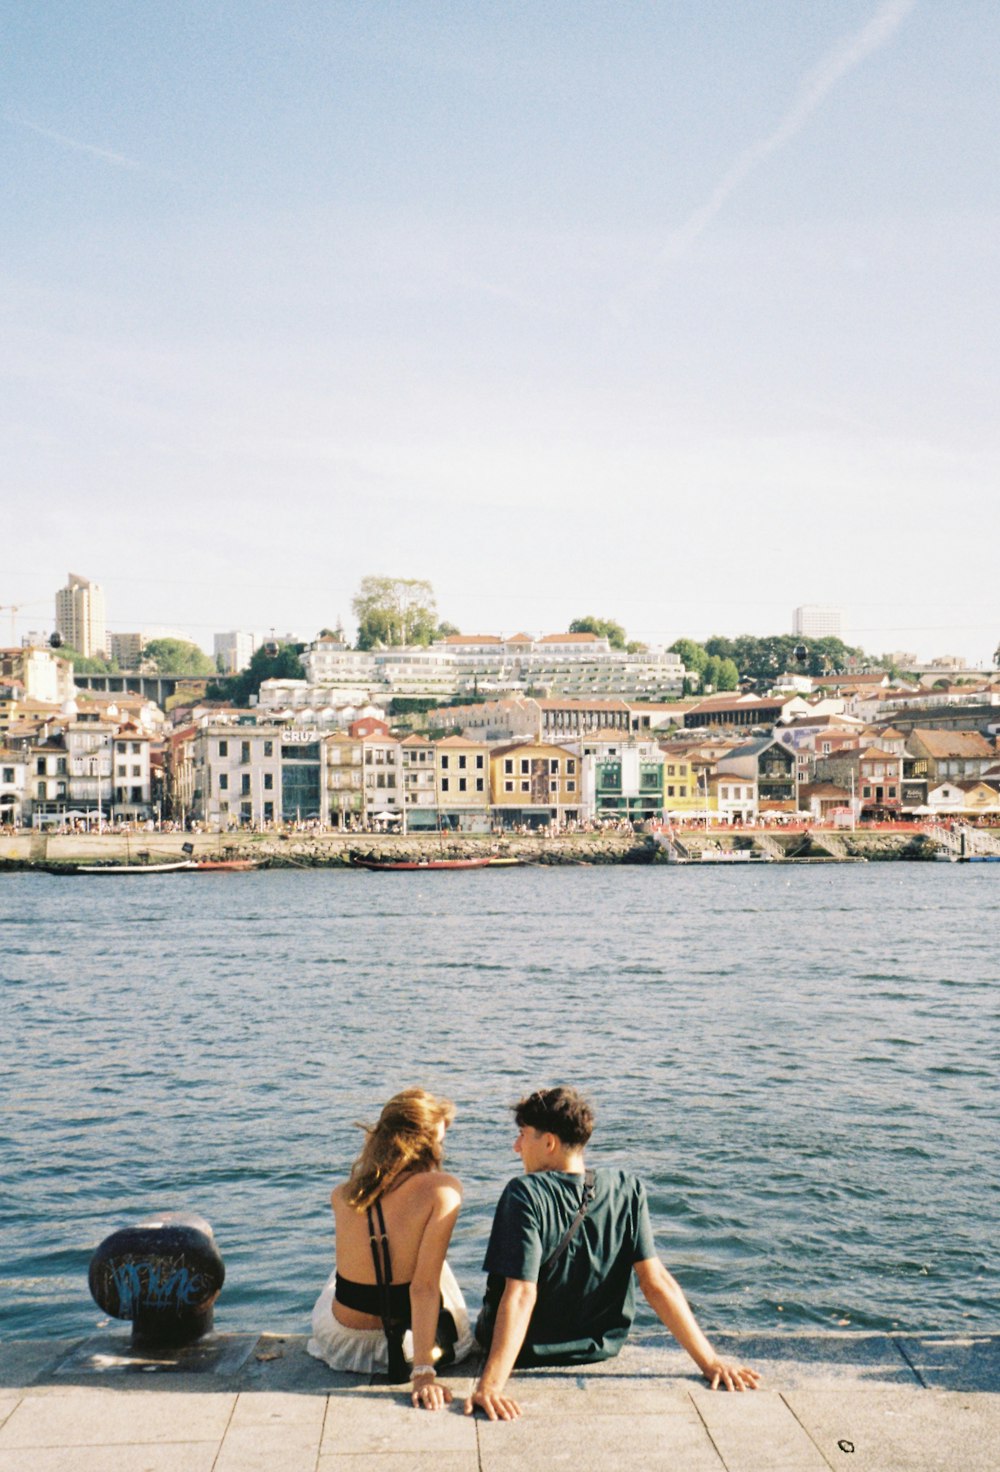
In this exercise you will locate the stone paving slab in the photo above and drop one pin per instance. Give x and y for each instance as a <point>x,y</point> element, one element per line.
<point>176,1457</point>
<point>955,1362</point>
<point>103,1418</point>
<point>653,1443</point>
<point>22,1361</point>
<point>363,1421</point>
<point>103,1354</point>
<point>882,1431</point>
<point>272,1432</point>
<point>401,1462</point>
<point>788,1360</point>
<point>757,1433</point>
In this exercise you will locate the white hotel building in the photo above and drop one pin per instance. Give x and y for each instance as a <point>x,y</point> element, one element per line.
<point>582,665</point>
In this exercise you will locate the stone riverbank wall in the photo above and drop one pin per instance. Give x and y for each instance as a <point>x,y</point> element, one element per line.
<point>315,850</point>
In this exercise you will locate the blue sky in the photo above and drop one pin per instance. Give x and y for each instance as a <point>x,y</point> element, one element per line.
<point>676,313</point>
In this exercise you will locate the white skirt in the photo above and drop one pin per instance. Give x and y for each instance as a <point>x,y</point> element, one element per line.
<point>364,1351</point>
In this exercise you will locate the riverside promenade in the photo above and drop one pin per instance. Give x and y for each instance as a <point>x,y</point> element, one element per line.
<point>258,1403</point>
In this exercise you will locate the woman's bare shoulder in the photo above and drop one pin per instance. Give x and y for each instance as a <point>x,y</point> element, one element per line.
<point>442,1183</point>
<point>338,1196</point>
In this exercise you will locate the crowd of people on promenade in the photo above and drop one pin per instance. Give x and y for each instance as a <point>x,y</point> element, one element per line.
<point>568,1245</point>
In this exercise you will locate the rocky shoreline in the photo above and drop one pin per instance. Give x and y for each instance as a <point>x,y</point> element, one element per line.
<point>64,853</point>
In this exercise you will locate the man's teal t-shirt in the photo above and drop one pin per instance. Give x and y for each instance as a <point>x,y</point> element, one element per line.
<point>586,1299</point>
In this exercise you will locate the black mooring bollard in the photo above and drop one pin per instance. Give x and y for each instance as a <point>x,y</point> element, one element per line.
<point>163,1273</point>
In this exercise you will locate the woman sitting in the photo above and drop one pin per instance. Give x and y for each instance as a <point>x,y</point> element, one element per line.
<point>393,1219</point>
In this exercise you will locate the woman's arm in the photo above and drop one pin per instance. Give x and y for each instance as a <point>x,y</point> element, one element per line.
<point>425,1289</point>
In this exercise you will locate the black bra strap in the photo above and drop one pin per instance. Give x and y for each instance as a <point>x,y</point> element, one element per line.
<point>381,1258</point>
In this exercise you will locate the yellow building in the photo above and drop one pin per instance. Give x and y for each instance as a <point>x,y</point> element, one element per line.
<point>534,784</point>
<point>463,784</point>
<point>684,787</point>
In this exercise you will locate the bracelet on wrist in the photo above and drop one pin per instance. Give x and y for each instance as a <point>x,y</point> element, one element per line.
<point>423,1370</point>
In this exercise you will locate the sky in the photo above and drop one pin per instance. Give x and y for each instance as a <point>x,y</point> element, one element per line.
<point>676,312</point>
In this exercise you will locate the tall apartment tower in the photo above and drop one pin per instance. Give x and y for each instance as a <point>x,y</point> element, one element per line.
<point>817,621</point>
<point>80,616</point>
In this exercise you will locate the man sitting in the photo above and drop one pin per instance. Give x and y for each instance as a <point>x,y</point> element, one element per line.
<point>564,1244</point>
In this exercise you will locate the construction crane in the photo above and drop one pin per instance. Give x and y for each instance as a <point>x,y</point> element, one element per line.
<point>13,609</point>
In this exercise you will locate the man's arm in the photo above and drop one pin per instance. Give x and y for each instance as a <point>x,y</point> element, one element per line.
<point>513,1317</point>
<point>665,1297</point>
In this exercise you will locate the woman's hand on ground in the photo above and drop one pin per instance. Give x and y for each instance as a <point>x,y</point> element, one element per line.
<point>429,1394</point>
<point>720,1373</point>
<point>498,1407</point>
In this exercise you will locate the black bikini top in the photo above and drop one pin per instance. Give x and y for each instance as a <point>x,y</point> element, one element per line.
<point>383,1299</point>
<point>366,1298</point>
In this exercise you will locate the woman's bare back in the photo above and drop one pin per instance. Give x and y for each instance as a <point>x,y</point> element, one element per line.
<point>407,1208</point>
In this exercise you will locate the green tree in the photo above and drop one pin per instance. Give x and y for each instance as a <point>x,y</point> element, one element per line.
<point>175,657</point>
<point>695,657</point>
<point>87,664</point>
<point>394,611</point>
<point>728,676</point>
<point>604,628</point>
<point>283,665</point>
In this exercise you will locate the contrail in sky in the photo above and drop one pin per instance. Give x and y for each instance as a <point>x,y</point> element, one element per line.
<point>118,159</point>
<point>815,87</point>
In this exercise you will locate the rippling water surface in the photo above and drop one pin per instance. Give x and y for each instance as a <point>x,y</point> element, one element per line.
<point>802,1063</point>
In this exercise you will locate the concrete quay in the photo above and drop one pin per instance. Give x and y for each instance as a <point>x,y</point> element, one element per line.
<point>258,1403</point>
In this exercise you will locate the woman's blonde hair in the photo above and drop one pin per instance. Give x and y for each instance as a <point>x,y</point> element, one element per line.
<point>404,1139</point>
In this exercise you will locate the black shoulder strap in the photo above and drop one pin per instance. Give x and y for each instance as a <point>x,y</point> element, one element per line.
<point>586,1198</point>
<point>380,1257</point>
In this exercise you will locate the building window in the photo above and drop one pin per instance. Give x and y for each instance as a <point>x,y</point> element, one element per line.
<point>269,812</point>
<point>670,791</point>
<point>866,792</point>
<point>269,748</point>
<point>223,748</point>
<point>444,783</point>
<point>8,774</point>
<point>245,783</point>
<point>244,751</point>
<point>508,764</point>
<point>121,747</point>
<point>136,769</point>
<point>462,763</point>
<point>479,762</point>
<point>525,764</point>
<point>223,781</point>
<point>135,747</point>
<point>137,794</point>
<point>570,786</point>
<point>508,787</point>
<point>570,767</point>
<point>268,781</point>
<point>444,761</point>
<point>462,784</point>
<point>121,770</point>
<point>525,786</point>
<point>480,784</point>
<point>670,772</point>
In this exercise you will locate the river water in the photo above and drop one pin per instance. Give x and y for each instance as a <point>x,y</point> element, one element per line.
<point>801,1063</point>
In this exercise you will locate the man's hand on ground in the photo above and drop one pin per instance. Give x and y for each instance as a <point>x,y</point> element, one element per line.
<point>498,1407</point>
<point>730,1377</point>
